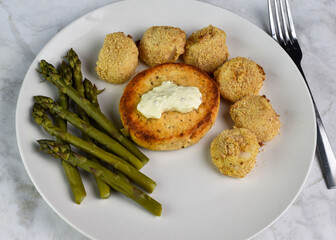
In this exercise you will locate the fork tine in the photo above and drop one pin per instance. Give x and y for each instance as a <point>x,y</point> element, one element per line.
<point>290,21</point>
<point>271,20</point>
<point>277,15</point>
<point>284,23</point>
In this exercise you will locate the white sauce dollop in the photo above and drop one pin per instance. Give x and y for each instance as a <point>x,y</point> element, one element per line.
<point>169,97</point>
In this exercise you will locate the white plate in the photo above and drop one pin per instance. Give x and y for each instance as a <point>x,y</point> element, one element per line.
<point>198,202</point>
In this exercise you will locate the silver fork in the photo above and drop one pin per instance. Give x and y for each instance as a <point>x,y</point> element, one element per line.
<point>282,31</point>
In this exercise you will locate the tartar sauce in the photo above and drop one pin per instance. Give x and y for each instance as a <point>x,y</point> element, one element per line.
<point>169,97</point>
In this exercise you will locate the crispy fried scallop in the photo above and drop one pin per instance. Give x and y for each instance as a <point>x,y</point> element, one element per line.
<point>161,44</point>
<point>174,130</point>
<point>234,152</point>
<point>239,77</point>
<point>206,49</point>
<point>256,114</point>
<point>118,58</point>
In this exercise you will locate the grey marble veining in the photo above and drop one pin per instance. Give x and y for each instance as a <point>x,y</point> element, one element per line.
<point>26,26</point>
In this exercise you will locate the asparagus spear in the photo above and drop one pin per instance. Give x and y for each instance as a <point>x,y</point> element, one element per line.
<point>51,74</point>
<point>115,181</point>
<point>71,172</point>
<point>118,163</point>
<point>88,129</point>
<point>75,64</point>
<point>91,93</point>
<point>66,75</point>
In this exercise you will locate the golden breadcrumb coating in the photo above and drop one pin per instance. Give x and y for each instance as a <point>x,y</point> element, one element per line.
<point>206,49</point>
<point>234,152</point>
<point>256,114</point>
<point>117,59</point>
<point>239,77</point>
<point>161,44</point>
<point>174,130</point>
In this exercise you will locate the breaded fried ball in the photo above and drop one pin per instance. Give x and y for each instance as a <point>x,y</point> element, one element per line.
<point>234,152</point>
<point>161,44</point>
<point>255,113</point>
<point>238,78</point>
<point>206,49</point>
<point>117,59</point>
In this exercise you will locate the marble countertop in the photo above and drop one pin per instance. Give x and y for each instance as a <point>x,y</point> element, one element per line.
<point>26,26</point>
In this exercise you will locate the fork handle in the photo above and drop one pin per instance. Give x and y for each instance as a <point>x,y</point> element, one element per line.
<point>326,155</point>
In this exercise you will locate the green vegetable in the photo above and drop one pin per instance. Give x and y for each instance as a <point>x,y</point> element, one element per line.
<point>75,65</point>
<point>71,172</point>
<point>60,151</point>
<point>91,94</point>
<point>88,129</point>
<point>117,162</point>
<point>51,74</point>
